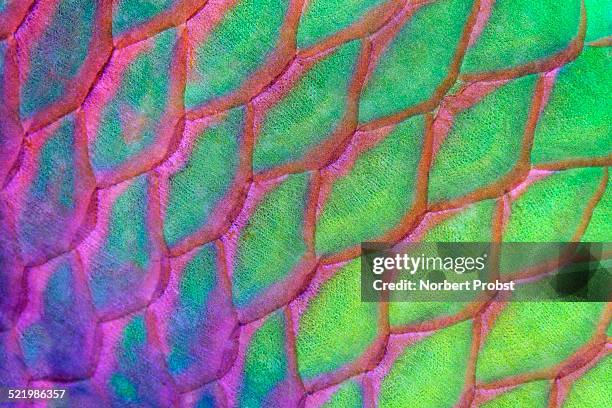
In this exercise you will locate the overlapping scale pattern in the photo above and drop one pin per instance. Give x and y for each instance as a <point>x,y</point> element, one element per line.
<point>184,185</point>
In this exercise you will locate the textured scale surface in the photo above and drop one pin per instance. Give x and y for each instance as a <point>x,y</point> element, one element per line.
<point>184,185</point>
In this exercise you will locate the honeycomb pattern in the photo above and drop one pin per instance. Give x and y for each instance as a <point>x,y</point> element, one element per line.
<point>185,185</point>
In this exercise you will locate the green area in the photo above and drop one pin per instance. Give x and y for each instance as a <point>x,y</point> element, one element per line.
<point>271,244</point>
<point>322,18</point>
<point>235,48</point>
<point>530,336</point>
<point>376,193</point>
<point>522,31</point>
<point>309,113</point>
<point>430,373</point>
<point>335,314</point>
<point>417,61</point>
<point>195,190</point>
<point>577,121</point>
<point>484,143</point>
